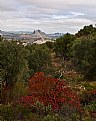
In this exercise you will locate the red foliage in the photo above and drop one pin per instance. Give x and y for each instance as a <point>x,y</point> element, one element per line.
<point>50,91</point>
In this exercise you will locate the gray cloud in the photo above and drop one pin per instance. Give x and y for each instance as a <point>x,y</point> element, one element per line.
<point>8,5</point>
<point>49,16</point>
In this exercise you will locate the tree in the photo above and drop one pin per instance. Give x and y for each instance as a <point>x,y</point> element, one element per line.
<point>87,30</point>
<point>62,48</point>
<point>49,44</point>
<point>39,58</point>
<point>1,38</point>
<point>20,89</point>
<point>63,44</point>
<point>12,63</point>
<point>84,56</point>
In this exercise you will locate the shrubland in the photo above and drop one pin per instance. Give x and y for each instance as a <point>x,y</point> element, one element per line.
<point>55,81</point>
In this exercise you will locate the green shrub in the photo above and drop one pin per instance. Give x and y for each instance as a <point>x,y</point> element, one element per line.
<point>54,117</point>
<point>7,112</point>
<point>88,86</point>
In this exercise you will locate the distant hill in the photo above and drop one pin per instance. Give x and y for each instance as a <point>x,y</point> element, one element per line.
<point>9,35</point>
<point>38,33</point>
<point>55,35</point>
<point>37,36</point>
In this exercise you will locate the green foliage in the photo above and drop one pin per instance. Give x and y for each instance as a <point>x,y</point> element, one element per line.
<point>20,89</point>
<point>1,38</point>
<point>12,61</point>
<point>18,62</point>
<point>49,44</point>
<point>91,112</point>
<point>13,66</point>
<point>54,117</point>
<point>11,113</point>
<point>57,117</point>
<point>39,58</point>
<point>87,30</point>
<point>33,117</point>
<point>89,86</point>
<point>63,45</point>
<point>91,107</point>
<point>88,97</point>
<point>84,56</point>
<point>7,112</point>
<point>41,109</point>
<point>20,112</point>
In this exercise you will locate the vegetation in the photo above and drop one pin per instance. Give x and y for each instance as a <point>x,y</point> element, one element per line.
<point>31,87</point>
<point>13,65</point>
<point>39,58</point>
<point>62,46</point>
<point>84,56</point>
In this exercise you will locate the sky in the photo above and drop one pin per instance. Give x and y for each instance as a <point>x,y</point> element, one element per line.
<point>49,16</point>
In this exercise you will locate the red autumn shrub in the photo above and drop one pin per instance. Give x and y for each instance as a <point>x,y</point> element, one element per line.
<point>50,91</point>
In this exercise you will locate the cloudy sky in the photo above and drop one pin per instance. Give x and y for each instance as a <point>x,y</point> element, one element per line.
<point>47,15</point>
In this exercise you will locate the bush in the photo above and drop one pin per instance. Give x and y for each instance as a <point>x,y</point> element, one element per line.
<point>84,56</point>
<point>89,86</point>
<point>54,117</point>
<point>7,112</point>
<point>88,97</point>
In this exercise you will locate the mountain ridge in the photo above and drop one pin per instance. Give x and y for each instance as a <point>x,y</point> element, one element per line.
<point>36,35</point>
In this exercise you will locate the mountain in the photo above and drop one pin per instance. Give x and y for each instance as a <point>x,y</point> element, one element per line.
<point>9,35</point>
<point>37,36</point>
<point>55,35</point>
<point>39,33</point>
